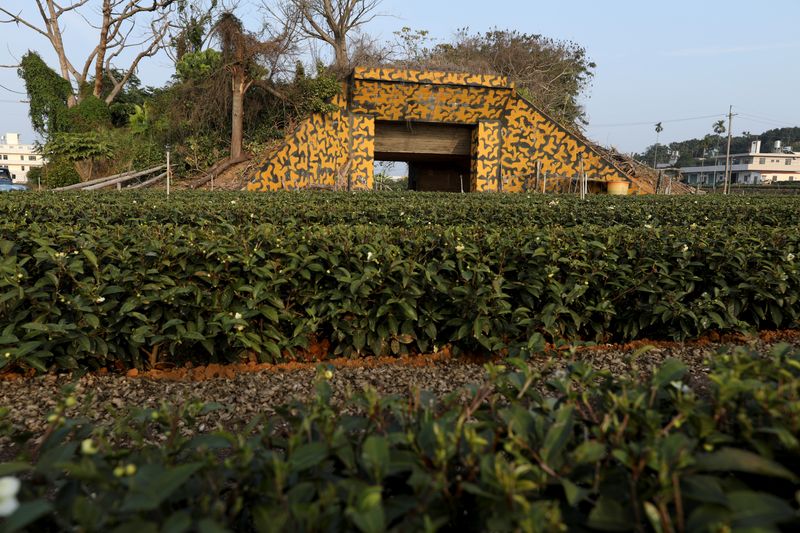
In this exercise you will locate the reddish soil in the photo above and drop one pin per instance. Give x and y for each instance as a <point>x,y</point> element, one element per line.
<point>319,353</point>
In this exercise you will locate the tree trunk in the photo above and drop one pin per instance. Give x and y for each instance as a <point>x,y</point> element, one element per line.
<point>54,31</point>
<point>237,111</point>
<point>342,60</point>
<point>101,49</point>
<point>84,169</point>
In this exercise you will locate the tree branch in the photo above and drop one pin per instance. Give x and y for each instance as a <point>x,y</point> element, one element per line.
<point>19,20</point>
<point>151,50</point>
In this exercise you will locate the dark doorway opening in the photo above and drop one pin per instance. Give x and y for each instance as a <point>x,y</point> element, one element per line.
<point>438,155</point>
<point>448,175</point>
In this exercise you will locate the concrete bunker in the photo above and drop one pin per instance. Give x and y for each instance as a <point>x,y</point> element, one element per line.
<point>457,132</point>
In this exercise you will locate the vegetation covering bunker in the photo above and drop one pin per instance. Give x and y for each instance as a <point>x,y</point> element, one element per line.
<point>423,117</point>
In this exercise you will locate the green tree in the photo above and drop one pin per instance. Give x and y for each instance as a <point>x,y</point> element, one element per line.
<point>249,61</point>
<point>553,74</point>
<point>48,94</point>
<point>198,66</point>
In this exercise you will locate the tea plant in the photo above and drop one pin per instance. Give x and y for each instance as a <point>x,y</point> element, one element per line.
<point>131,294</point>
<point>576,450</point>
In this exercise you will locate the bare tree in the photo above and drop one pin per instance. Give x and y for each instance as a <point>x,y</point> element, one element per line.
<point>331,21</point>
<point>118,21</point>
<point>250,61</point>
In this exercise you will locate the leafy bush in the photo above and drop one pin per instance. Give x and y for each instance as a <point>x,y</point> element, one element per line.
<point>59,173</point>
<point>79,146</point>
<point>196,66</point>
<point>89,115</point>
<point>200,152</point>
<point>411,210</point>
<point>313,95</point>
<point>203,278</point>
<point>89,151</point>
<point>34,176</point>
<point>576,450</point>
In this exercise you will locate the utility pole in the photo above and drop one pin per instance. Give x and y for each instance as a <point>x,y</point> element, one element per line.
<point>727,187</point>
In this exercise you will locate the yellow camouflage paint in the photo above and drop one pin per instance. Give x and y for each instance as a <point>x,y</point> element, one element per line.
<point>486,149</point>
<point>515,146</point>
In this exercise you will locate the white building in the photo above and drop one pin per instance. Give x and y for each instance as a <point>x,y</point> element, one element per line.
<point>19,158</point>
<point>753,168</point>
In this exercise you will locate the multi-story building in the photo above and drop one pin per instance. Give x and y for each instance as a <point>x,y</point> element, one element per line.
<point>19,158</point>
<point>753,168</point>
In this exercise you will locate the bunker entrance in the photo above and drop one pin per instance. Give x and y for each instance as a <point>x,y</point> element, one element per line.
<point>438,155</point>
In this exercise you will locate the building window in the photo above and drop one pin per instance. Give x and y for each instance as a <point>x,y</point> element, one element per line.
<point>5,157</point>
<point>31,158</point>
<point>22,168</point>
<point>788,161</point>
<point>762,161</point>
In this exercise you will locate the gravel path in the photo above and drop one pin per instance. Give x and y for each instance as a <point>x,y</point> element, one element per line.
<point>245,396</point>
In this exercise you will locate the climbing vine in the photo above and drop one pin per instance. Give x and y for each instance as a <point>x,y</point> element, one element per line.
<point>48,94</point>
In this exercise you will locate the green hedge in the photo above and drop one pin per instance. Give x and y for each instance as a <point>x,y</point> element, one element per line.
<point>399,209</point>
<point>91,295</point>
<point>579,451</point>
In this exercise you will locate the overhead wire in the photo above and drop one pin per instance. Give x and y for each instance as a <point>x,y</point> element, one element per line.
<point>12,90</point>
<point>765,119</point>
<point>652,122</point>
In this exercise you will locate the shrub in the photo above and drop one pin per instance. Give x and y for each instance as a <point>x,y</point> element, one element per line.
<point>197,66</point>
<point>34,176</point>
<point>530,451</point>
<point>59,173</point>
<point>89,115</point>
<point>220,277</point>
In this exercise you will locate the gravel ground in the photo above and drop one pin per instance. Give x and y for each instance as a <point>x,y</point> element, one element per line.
<point>245,396</point>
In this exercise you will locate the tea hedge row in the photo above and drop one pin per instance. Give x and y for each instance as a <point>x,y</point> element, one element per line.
<point>580,451</point>
<point>88,296</point>
<point>400,209</point>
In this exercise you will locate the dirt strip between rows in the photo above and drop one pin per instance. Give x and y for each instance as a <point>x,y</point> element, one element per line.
<point>246,394</point>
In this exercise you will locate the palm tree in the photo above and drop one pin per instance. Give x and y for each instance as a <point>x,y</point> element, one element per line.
<point>659,129</point>
<point>719,128</point>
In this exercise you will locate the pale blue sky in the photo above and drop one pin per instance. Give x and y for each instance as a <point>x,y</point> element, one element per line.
<point>655,62</point>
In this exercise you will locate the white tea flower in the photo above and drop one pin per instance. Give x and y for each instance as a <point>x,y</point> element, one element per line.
<point>88,447</point>
<point>9,488</point>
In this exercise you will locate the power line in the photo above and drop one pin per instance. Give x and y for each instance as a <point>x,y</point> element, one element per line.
<point>650,123</point>
<point>762,122</point>
<point>12,90</point>
<point>761,118</point>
